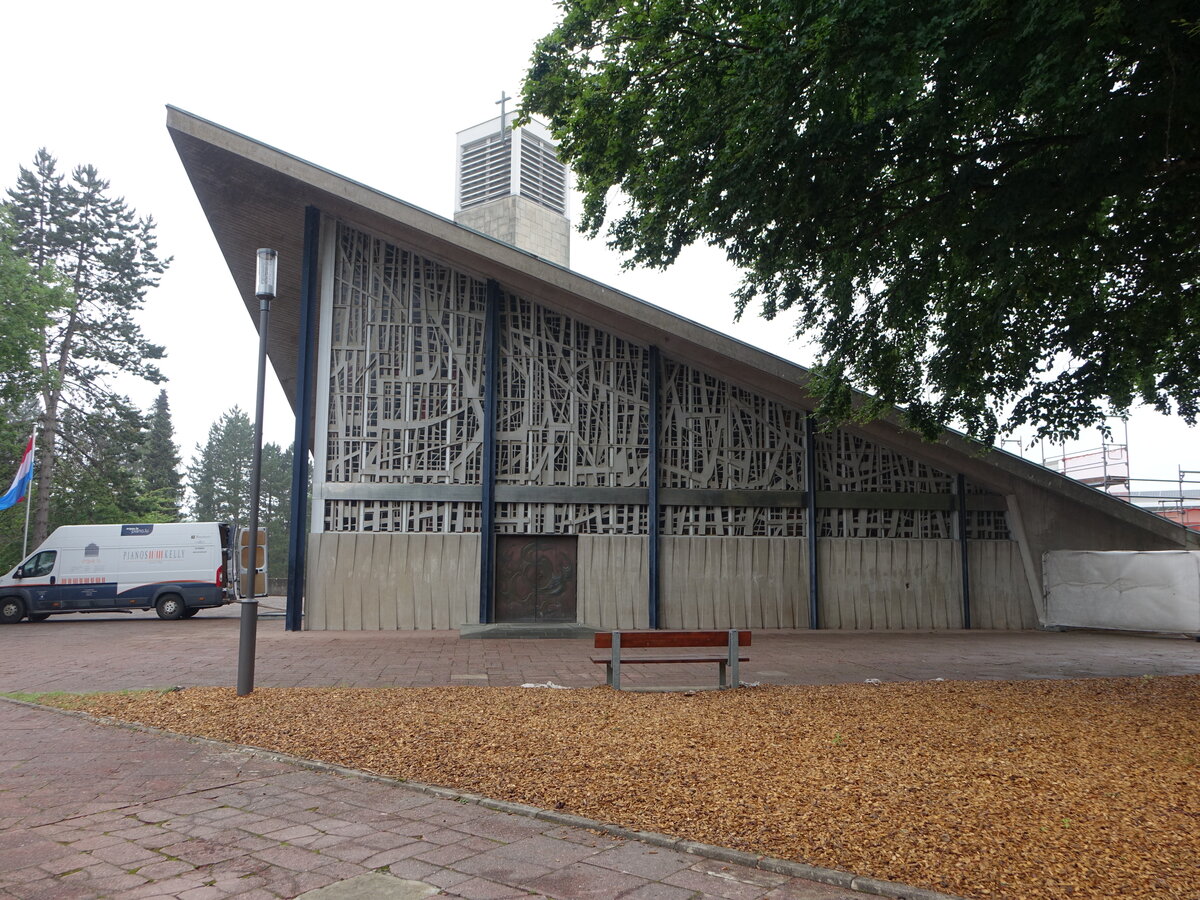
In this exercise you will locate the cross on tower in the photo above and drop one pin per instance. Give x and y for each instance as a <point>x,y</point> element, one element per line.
<point>504,98</point>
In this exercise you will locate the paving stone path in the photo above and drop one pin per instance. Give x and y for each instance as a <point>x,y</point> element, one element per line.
<point>90,653</point>
<point>90,810</point>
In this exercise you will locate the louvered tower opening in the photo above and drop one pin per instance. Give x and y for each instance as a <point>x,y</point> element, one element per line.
<point>486,172</point>
<point>543,177</point>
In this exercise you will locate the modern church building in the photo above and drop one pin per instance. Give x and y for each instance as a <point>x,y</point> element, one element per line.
<point>497,439</point>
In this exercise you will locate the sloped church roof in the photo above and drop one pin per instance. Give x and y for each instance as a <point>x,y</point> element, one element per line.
<point>255,196</point>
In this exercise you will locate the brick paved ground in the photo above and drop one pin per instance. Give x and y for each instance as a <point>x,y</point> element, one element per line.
<point>118,652</point>
<point>88,810</point>
<point>91,811</point>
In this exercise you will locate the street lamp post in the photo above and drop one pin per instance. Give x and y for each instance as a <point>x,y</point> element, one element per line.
<point>264,289</point>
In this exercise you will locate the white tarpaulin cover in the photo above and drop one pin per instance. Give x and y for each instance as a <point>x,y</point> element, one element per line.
<point>1128,590</point>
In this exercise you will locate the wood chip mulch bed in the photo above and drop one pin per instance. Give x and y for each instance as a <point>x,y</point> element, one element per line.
<point>1024,790</point>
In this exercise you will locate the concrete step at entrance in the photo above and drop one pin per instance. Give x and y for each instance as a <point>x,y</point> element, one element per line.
<point>515,630</point>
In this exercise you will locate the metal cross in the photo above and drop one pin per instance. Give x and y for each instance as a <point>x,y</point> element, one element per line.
<point>504,98</point>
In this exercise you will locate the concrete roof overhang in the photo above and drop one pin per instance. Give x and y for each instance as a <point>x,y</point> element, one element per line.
<point>255,196</point>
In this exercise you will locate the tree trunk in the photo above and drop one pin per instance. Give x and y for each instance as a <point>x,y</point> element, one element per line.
<point>51,395</point>
<point>47,461</point>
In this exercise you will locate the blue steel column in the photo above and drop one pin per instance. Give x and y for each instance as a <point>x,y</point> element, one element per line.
<point>960,489</point>
<point>653,510</point>
<point>302,446</point>
<point>491,386</point>
<point>810,499</point>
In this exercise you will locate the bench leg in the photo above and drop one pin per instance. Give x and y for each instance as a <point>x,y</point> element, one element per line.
<point>721,681</point>
<point>608,673</point>
<point>734,657</point>
<point>614,667</point>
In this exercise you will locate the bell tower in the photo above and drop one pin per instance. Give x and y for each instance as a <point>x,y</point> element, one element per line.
<point>510,185</point>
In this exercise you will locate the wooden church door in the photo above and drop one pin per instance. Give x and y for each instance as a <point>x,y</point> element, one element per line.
<point>536,578</point>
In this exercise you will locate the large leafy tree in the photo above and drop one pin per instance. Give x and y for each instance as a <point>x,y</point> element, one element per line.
<point>28,298</point>
<point>16,419</point>
<point>107,260</point>
<point>99,478</point>
<point>987,212</point>
<point>103,459</point>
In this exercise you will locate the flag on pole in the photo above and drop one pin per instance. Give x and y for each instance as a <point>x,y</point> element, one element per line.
<point>20,485</point>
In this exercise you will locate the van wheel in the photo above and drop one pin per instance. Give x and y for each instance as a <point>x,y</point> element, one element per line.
<point>12,610</point>
<point>170,606</point>
<point>38,617</point>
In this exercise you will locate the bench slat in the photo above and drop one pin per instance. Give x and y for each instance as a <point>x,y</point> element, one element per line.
<point>667,659</point>
<point>633,639</point>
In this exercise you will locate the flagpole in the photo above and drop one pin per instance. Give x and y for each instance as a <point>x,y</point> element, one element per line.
<point>29,494</point>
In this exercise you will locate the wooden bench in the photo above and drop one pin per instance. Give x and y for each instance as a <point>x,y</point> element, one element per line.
<point>619,641</point>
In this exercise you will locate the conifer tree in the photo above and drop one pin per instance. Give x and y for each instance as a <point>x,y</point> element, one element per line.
<point>98,479</point>
<point>106,258</point>
<point>219,482</point>
<point>276,508</point>
<point>160,459</point>
<point>219,477</point>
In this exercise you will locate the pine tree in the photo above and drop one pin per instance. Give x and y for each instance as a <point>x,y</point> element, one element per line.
<point>98,479</point>
<point>219,482</point>
<point>160,461</point>
<point>275,506</point>
<point>107,259</point>
<point>219,478</point>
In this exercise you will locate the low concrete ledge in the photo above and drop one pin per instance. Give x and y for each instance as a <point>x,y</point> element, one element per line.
<point>569,631</point>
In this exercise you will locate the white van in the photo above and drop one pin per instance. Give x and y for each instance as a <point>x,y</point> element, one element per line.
<point>176,568</point>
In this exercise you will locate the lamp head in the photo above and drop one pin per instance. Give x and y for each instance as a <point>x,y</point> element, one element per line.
<point>265,278</point>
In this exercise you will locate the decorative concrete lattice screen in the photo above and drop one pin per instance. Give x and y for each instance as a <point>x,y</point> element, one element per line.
<point>406,407</point>
<point>573,411</point>
<point>405,385</point>
<point>847,462</point>
<point>987,524</point>
<point>850,463</point>
<point>718,436</point>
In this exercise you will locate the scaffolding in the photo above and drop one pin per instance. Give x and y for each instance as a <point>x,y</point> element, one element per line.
<point>1178,503</point>
<point>1105,467</point>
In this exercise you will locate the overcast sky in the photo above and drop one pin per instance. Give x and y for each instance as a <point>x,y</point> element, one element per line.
<point>373,91</point>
